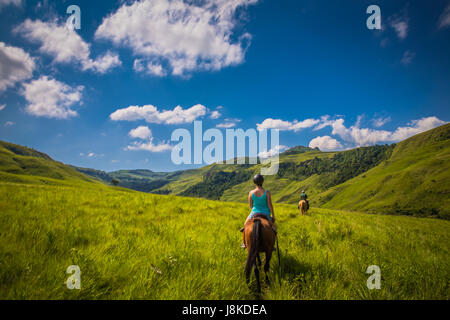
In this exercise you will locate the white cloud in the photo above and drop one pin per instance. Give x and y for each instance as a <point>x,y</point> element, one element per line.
<point>416,127</point>
<point>141,132</point>
<point>286,125</point>
<point>325,143</point>
<point>151,114</point>
<point>379,122</point>
<point>65,45</point>
<point>226,125</point>
<point>90,155</point>
<point>408,57</point>
<point>149,68</point>
<point>50,98</point>
<point>3,106</point>
<point>4,3</point>
<point>145,133</point>
<point>103,63</point>
<point>182,36</point>
<point>215,114</point>
<point>272,152</point>
<point>149,146</point>
<point>400,26</point>
<point>367,136</point>
<point>444,19</point>
<point>229,123</point>
<point>9,123</point>
<point>15,66</point>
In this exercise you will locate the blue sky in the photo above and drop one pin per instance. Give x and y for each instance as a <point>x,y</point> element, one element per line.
<point>309,68</point>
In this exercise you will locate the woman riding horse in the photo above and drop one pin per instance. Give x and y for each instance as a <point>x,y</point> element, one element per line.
<point>259,229</point>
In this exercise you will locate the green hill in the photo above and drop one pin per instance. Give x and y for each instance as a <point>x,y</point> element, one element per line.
<point>415,180</point>
<point>22,164</point>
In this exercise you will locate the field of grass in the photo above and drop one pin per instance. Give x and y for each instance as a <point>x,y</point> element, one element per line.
<point>132,245</point>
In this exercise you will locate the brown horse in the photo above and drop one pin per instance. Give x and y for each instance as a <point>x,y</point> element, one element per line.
<point>302,206</point>
<point>258,237</point>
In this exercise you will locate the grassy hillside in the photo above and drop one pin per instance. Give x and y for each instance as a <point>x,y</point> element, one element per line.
<point>414,181</point>
<point>22,164</point>
<point>132,245</point>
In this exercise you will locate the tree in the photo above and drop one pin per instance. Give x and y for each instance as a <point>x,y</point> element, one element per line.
<point>115,182</point>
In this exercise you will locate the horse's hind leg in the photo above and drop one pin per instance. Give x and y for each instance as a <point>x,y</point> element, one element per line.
<point>259,260</point>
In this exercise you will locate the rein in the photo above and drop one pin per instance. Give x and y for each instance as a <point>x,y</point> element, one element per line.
<point>279,262</point>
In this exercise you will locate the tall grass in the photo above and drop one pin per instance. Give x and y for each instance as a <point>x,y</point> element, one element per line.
<point>131,245</point>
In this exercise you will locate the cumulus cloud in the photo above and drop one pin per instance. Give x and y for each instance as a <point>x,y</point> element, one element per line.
<point>325,143</point>
<point>228,124</point>
<point>149,146</point>
<point>215,114</point>
<point>379,122</point>
<point>15,66</point>
<point>50,98</point>
<point>444,19</point>
<point>272,152</point>
<point>141,132</point>
<point>179,36</point>
<point>144,133</point>
<point>367,136</point>
<point>65,45</point>
<point>103,63</point>
<point>9,124</point>
<point>400,25</point>
<point>149,68</point>
<point>408,57</point>
<point>151,114</point>
<point>2,106</point>
<point>286,125</point>
<point>4,3</point>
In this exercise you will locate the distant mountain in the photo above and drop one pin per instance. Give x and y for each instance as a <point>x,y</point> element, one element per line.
<point>140,180</point>
<point>409,178</point>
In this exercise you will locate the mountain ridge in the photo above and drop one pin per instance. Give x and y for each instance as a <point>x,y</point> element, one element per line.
<point>388,179</point>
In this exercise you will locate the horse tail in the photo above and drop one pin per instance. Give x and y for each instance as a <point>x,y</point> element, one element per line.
<point>254,247</point>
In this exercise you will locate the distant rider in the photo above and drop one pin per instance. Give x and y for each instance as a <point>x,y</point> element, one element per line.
<point>304,196</point>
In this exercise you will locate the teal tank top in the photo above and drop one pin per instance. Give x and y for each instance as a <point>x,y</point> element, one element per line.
<point>260,204</point>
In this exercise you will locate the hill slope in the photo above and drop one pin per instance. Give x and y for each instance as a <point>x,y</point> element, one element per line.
<point>415,180</point>
<point>22,164</point>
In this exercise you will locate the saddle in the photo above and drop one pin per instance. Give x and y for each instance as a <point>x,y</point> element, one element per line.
<point>261,216</point>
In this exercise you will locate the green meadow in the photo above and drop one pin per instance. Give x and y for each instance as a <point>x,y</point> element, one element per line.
<point>133,245</point>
